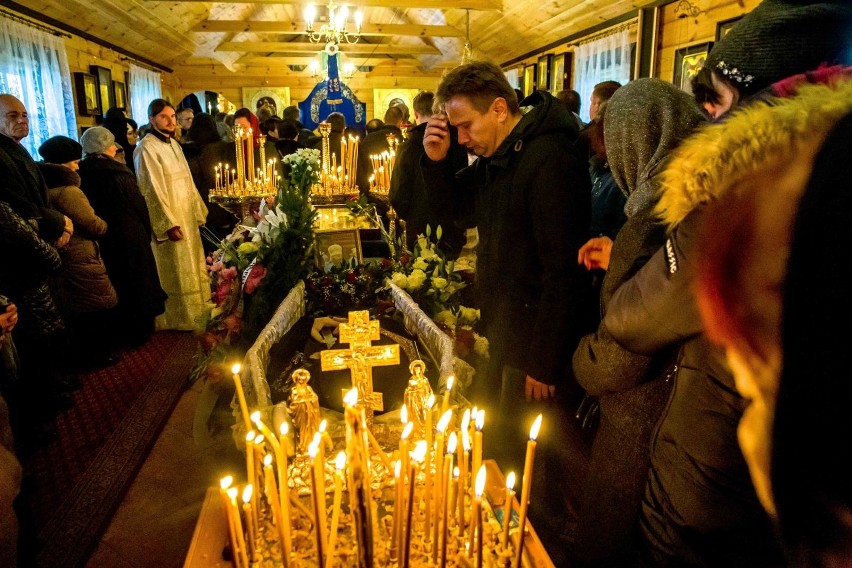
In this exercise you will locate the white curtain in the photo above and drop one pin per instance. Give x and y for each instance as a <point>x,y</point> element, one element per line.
<point>144,88</point>
<point>605,59</point>
<point>34,68</point>
<point>512,77</point>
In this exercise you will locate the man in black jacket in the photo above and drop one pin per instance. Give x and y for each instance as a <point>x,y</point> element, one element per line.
<point>408,191</point>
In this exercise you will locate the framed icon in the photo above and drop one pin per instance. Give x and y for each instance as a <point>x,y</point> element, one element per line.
<point>544,72</point>
<point>119,93</point>
<point>106,98</point>
<point>723,27</point>
<point>86,86</point>
<point>557,74</point>
<point>688,61</point>
<point>529,79</point>
<point>334,248</point>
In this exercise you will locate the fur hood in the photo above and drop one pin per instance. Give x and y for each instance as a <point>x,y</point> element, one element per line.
<point>721,155</point>
<point>57,175</point>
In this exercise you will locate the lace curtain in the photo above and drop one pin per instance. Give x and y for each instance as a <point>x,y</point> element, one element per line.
<point>144,88</point>
<point>605,59</point>
<point>34,68</point>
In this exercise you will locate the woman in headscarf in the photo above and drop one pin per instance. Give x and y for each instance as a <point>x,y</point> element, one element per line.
<point>116,122</point>
<point>645,120</point>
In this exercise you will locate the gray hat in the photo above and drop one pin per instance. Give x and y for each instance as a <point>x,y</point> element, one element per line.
<point>781,38</point>
<point>96,140</point>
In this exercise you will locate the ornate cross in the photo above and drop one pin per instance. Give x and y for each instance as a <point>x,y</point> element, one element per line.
<point>360,359</point>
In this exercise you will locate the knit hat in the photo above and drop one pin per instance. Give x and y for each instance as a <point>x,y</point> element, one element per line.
<point>60,150</point>
<point>96,140</point>
<point>780,38</point>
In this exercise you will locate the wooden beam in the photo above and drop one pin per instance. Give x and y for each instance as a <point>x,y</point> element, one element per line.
<point>436,4</point>
<point>298,28</point>
<point>306,81</point>
<point>347,48</point>
<point>277,61</point>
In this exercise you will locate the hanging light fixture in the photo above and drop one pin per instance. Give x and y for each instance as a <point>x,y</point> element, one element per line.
<point>467,52</point>
<point>317,71</point>
<point>334,32</point>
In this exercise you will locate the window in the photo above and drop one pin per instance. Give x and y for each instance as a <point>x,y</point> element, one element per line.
<point>144,88</point>
<point>605,59</point>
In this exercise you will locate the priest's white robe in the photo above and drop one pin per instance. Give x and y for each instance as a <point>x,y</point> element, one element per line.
<point>173,201</point>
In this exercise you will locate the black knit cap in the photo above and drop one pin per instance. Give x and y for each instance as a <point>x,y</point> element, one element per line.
<point>60,149</point>
<point>780,38</point>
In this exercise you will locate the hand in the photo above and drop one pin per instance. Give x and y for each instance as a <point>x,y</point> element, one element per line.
<point>535,390</point>
<point>436,139</point>
<point>595,253</point>
<point>175,234</point>
<point>322,323</point>
<point>9,319</point>
<point>63,240</point>
<point>69,226</point>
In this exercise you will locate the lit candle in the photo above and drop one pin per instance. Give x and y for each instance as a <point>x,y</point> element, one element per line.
<point>445,404</point>
<point>458,498</point>
<point>525,489</point>
<point>238,525</point>
<point>319,510</point>
<point>248,495</point>
<point>250,471</point>
<point>275,503</point>
<point>320,459</point>
<point>360,496</point>
<point>419,453</point>
<point>464,450</point>
<point>507,508</point>
<point>339,464</point>
<point>477,441</point>
<point>403,446</point>
<point>224,484</point>
<point>241,395</point>
<point>438,479</point>
<point>427,497</point>
<point>250,150</point>
<point>282,491</point>
<point>397,511</point>
<point>477,514</point>
<point>445,495</point>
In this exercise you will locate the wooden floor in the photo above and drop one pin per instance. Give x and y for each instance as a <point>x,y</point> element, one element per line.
<point>153,526</point>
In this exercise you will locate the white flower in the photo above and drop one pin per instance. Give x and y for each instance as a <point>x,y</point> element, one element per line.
<point>416,280</point>
<point>399,279</point>
<point>446,318</point>
<point>439,283</point>
<point>480,345</point>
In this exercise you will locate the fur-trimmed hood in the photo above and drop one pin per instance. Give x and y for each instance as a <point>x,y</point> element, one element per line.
<point>721,155</point>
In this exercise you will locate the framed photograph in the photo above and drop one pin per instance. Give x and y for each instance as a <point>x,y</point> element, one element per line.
<point>544,76</point>
<point>529,79</point>
<point>119,93</point>
<point>332,248</point>
<point>557,74</point>
<point>688,61</point>
<point>106,98</point>
<point>723,27</point>
<point>86,86</point>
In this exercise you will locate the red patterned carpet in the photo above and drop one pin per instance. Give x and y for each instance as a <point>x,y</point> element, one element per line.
<point>76,482</point>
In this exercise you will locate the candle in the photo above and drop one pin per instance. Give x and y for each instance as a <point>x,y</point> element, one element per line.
<point>250,471</point>
<point>458,498</point>
<point>403,446</point>
<point>445,495</point>
<point>397,511</point>
<point>427,497</point>
<point>419,453</point>
<point>360,497</point>
<point>477,515</point>
<point>319,510</point>
<point>445,404</point>
<point>224,484</point>
<point>238,525</point>
<point>248,495</point>
<point>282,490</point>
<point>438,479</point>
<point>525,488</point>
<point>241,395</point>
<point>250,151</point>
<point>320,468</point>
<point>507,508</point>
<point>464,450</point>
<point>257,446</point>
<point>339,464</point>
<point>477,440</point>
<point>275,503</point>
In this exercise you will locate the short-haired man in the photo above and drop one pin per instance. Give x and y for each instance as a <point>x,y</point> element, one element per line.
<point>185,116</point>
<point>529,195</point>
<point>600,94</point>
<point>176,211</point>
<point>408,193</point>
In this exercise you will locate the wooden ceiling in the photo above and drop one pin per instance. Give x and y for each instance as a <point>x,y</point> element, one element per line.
<point>400,38</point>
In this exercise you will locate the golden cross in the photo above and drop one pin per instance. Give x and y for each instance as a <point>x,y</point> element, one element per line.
<point>360,359</point>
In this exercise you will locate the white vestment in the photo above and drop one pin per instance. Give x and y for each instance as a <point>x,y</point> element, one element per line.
<point>173,201</point>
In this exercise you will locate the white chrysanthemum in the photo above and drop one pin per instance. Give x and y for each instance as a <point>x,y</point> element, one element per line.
<point>416,280</point>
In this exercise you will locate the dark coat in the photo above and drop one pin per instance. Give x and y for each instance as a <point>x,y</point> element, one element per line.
<point>24,190</point>
<point>531,205</point>
<point>126,247</point>
<point>202,160</point>
<point>409,196</point>
<point>607,200</point>
<point>84,285</point>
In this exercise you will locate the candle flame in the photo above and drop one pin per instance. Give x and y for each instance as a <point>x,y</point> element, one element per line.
<point>510,480</point>
<point>419,451</point>
<point>284,429</point>
<point>255,416</point>
<point>397,469</point>
<point>535,428</point>
<point>450,380</point>
<point>313,447</point>
<point>430,402</point>
<point>480,481</point>
<point>466,440</point>
<point>267,460</point>
<point>340,461</point>
<point>444,421</point>
<point>465,422</point>
<point>480,419</point>
<point>250,436</point>
<point>452,441</point>
<point>236,369</point>
<point>232,493</point>
<point>258,440</point>
<point>406,432</point>
<point>226,481</point>
<point>323,425</point>
<point>351,397</point>
<point>247,493</point>
<point>403,415</point>
<point>316,439</point>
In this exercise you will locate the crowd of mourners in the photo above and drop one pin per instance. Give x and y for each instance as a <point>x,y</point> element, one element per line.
<point>663,283</point>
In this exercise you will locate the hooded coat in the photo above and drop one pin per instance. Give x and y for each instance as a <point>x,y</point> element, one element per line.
<point>645,121</point>
<point>84,285</point>
<point>700,507</point>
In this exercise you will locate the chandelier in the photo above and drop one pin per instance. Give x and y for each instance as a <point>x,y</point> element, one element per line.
<point>347,70</point>
<point>334,32</point>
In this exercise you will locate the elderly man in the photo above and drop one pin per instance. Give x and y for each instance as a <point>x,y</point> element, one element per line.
<point>176,210</point>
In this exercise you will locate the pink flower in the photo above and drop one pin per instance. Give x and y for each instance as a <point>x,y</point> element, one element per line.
<point>258,271</point>
<point>223,290</point>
